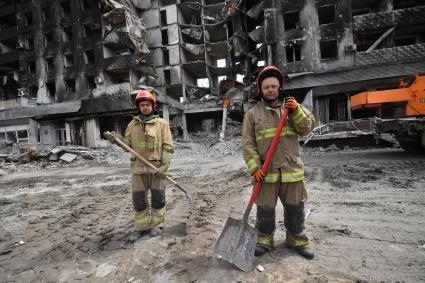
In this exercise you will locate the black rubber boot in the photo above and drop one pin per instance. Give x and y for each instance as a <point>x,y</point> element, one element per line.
<point>155,232</point>
<point>260,250</point>
<point>135,235</point>
<point>305,251</point>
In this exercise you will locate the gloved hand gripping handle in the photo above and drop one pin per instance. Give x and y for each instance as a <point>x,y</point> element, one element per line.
<point>110,136</point>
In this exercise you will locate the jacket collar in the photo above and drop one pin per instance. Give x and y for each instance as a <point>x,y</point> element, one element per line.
<point>151,120</point>
<point>266,105</point>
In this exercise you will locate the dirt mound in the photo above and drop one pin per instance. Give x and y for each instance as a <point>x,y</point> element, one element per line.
<point>226,148</point>
<point>183,149</point>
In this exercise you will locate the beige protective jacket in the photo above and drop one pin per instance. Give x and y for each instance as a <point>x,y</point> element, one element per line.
<point>153,141</point>
<point>259,126</point>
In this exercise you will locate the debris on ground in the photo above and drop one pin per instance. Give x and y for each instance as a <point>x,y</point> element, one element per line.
<point>74,219</point>
<point>226,148</point>
<point>32,158</point>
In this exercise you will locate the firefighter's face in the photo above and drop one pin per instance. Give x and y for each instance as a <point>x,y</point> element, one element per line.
<point>270,89</point>
<point>145,107</point>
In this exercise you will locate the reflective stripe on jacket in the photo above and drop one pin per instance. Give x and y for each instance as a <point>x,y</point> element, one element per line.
<point>259,127</point>
<point>152,140</point>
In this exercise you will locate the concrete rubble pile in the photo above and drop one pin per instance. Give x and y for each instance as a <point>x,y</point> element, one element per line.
<point>226,148</point>
<point>215,149</point>
<point>32,158</point>
<point>207,142</point>
<point>188,149</point>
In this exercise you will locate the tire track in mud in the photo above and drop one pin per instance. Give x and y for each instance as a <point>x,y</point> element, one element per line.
<point>187,256</point>
<point>214,199</point>
<point>63,226</point>
<point>94,221</point>
<point>373,207</point>
<point>369,227</point>
<point>341,176</point>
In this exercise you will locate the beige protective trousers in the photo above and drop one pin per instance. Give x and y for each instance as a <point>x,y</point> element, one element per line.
<point>143,218</point>
<point>292,195</point>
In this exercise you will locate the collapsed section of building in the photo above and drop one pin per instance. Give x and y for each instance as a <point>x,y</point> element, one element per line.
<point>69,68</point>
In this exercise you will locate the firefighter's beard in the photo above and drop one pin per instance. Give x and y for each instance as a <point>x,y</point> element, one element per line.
<point>271,99</point>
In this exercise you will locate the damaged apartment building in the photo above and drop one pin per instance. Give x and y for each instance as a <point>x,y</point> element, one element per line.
<point>69,68</point>
<point>331,49</point>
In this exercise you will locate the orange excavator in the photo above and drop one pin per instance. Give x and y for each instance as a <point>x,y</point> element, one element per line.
<point>400,112</point>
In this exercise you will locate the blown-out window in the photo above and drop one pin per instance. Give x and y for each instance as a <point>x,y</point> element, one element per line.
<point>14,133</point>
<point>326,14</point>
<point>293,53</point>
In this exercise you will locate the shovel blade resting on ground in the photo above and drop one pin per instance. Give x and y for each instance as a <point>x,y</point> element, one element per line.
<point>236,244</point>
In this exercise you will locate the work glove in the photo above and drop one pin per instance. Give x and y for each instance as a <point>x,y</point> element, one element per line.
<point>162,172</point>
<point>291,104</point>
<point>111,136</point>
<point>258,175</point>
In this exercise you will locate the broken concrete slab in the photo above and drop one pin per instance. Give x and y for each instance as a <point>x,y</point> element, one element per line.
<point>53,157</point>
<point>68,157</point>
<point>4,156</point>
<point>257,34</point>
<point>56,150</point>
<point>194,32</point>
<point>256,10</point>
<point>194,49</point>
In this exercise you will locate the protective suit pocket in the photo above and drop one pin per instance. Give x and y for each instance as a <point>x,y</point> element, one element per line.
<point>151,134</point>
<point>297,160</point>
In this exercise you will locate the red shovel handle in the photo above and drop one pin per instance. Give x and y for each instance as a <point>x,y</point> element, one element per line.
<point>269,156</point>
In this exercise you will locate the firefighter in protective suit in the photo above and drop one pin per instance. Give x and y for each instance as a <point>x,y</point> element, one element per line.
<point>150,136</point>
<point>284,179</point>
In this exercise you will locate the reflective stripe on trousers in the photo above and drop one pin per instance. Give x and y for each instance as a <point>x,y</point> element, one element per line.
<point>295,176</point>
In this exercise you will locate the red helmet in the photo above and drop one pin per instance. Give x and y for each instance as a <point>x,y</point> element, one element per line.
<point>146,95</point>
<point>267,72</point>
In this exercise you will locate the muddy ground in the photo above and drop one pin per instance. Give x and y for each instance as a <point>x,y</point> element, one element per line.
<point>366,221</point>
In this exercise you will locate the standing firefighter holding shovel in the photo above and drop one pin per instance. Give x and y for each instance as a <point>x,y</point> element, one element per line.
<point>147,137</point>
<point>272,153</point>
<point>285,175</point>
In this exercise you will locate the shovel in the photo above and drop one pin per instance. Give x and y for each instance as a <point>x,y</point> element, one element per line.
<point>237,241</point>
<point>110,136</point>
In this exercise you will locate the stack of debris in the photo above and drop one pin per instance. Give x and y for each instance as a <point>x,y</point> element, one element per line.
<point>33,158</point>
<point>27,154</point>
<point>188,148</point>
<point>226,148</point>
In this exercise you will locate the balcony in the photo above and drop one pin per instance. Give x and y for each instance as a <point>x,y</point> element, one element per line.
<point>385,20</point>
<point>125,61</point>
<point>25,77</point>
<point>400,54</point>
<point>13,103</point>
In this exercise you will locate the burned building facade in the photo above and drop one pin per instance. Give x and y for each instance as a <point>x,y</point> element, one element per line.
<point>332,49</point>
<point>69,68</point>
<point>189,43</point>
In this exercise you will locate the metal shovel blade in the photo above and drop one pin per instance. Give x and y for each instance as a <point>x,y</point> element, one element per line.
<point>236,244</point>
